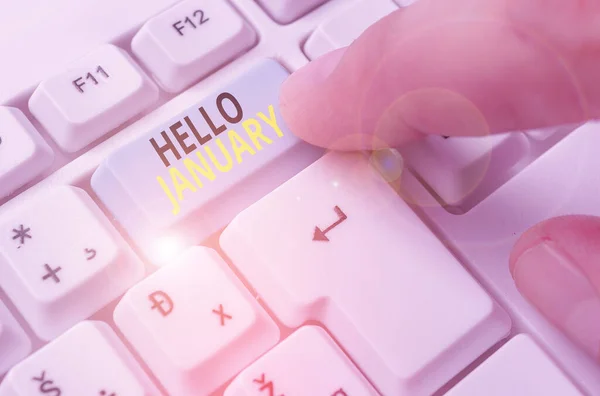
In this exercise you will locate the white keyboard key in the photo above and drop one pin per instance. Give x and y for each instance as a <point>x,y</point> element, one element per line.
<point>194,324</point>
<point>519,368</point>
<point>187,178</point>
<point>563,181</point>
<point>545,134</point>
<point>14,343</point>
<point>345,26</point>
<point>89,359</point>
<point>296,367</point>
<point>405,3</point>
<point>58,33</point>
<point>541,134</point>
<point>286,11</point>
<point>61,260</point>
<point>463,170</point>
<point>96,94</point>
<point>337,245</point>
<point>188,41</point>
<point>23,152</point>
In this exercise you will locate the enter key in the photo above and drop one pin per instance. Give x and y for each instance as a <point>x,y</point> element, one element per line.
<point>187,178</point>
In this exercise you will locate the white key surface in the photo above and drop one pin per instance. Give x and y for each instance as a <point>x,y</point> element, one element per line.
<point>42,38</point>
<point>464,170</point>
<point>187,178</point>
<point>345,26</point>
<point>286,11</point>
<point>14,342</point>
<point>194,324</point>
<point>560,182</point>
<point>308,362</point>
<point>337,245</point>
<point>91,97</point>
<point>405,3</point>
<point>61,260</point>
<point>519,368</point>
<point>23,152</point>
<point>188,41</point>
<point>88,359</point>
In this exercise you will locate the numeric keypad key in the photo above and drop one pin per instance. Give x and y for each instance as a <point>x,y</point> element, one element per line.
<point>61,260</point>
<point>93,96</point>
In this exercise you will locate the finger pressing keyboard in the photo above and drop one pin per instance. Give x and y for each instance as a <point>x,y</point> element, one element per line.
<point>336,244</point>
<point>189,177</point>
<point>193,323</point>
<point>88,359</point>
<point>61,260</point>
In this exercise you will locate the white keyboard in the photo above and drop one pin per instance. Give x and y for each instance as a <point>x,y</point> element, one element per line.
<point>163,232</point>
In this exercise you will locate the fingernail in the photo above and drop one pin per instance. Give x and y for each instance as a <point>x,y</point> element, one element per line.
<point>549,279</point>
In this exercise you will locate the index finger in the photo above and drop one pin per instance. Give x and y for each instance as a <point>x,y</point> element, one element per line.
<point>451,68</point>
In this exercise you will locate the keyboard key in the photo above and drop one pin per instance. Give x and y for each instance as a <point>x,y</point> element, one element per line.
<point>61,260</point>
<point>519,368</point>
<point>188,41</point>
<point>464,170</point>
<point>194,324</point>
<point>345,26</point>
<point>93,96</point>
<point>89,359</point>
<point>51,35</point>
<point>560,182</point>
<point>405,3</point>
<point>14,343</point>
<point>308,362</point>
<point>336,244</point>
<point>544,134</point>
<point>23,152</point>
<point>188,177</point>
<point>286,11</point>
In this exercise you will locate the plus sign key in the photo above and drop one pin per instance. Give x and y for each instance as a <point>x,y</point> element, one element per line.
<point>194,324</point>
<point>61,260</point>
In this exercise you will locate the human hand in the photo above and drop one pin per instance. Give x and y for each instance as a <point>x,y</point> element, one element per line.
<point>471,68</point>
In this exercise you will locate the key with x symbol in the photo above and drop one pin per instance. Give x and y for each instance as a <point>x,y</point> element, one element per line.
<point>204,324</point>
<point>223,316</point>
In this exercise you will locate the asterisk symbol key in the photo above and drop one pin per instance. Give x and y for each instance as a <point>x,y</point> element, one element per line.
<point>22,233</point>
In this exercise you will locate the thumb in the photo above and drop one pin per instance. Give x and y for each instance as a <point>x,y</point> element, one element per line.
<point>465,67</point>
<point>555,266</point>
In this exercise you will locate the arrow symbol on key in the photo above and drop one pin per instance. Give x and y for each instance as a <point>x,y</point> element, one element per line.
<point>320,235</point>
<point>91,254</point>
